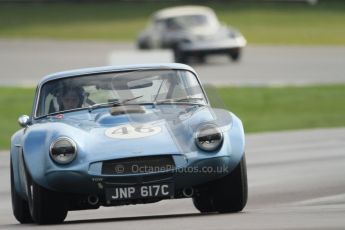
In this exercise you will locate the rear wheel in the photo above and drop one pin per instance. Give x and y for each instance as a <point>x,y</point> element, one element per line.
<point>180,56</point>
<point>46,206</point>
<point>201,58</point>
<point>20,206</point>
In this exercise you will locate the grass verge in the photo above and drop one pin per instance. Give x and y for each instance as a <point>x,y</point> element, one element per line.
<point>260,108</point>
<point>261,23</point>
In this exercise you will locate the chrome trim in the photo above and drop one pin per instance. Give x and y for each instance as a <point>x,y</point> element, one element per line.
<point>200,146</point>
<point>59,139</point>
<point>104,70</point>
<point>24,120</point>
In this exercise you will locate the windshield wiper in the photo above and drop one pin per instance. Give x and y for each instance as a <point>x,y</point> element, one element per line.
<point>112,103</point>
<point>183,100</point>
<point>100,105</point>
<point>189,99</point>
<point>127,100</point>
<point>60,112</point>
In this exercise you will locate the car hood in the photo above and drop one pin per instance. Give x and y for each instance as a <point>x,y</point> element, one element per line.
<point>203,30</point>
<point>102,136</point>
<point>211,33</point>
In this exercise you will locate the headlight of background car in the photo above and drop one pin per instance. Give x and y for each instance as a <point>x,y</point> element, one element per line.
<point>209,138</point>
<point>63,150</point>
<point>233,33</point>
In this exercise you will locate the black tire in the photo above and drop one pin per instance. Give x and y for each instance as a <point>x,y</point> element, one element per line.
<point>201,59</point>
<point>235,55</point>
<point>230,193</point>
<point>46,206</point>
<point>204,203</point>
<point>180,56</point>
<point>143,45</point>
<point>20,206</point>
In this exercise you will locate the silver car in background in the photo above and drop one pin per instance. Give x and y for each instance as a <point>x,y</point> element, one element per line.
<point>191,31</point>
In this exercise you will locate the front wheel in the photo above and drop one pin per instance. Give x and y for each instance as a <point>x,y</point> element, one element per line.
<point>20,206</point>
<point>231,192</point>
<point>143,45</point>
<point>235,54</point>
<point>46,206</point>
<point>228,194</point>
<point>204,202</point>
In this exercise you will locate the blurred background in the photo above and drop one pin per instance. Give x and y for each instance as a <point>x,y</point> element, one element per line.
<point>290,76</point>
<point>288,88</point>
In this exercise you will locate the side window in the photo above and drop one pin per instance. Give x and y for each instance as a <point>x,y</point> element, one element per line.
<point>193,87</point>
<point>159,25</point>
<point>44,102</point>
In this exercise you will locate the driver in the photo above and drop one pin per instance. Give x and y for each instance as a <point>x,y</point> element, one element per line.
<point>71,97</point>
<point>70,100</point>
<point>67,98</point>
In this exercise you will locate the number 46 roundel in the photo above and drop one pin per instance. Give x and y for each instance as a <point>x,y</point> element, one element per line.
<point>128,131</point>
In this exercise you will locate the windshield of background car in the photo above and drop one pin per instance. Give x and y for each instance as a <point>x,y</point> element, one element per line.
<point>134,87</point>
<point>186,22</point>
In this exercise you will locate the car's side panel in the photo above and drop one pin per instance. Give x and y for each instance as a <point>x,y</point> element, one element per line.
<point>16,150</point>
<point>237,139</point>
<point>36,144</point>
<point>34,154</point>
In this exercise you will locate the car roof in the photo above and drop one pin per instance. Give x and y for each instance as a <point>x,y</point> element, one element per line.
<point>181,11</point>
<point>109,69</point>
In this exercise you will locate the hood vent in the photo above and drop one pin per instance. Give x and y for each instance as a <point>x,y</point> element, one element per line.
<point>126,109</point>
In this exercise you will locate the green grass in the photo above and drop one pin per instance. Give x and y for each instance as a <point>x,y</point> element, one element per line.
<point>285,108</point>
<point>261,23</point>
<point>13,103</point>
<point>260,108</point>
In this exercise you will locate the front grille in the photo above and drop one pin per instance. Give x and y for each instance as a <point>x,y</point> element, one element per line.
<point>133,165</point>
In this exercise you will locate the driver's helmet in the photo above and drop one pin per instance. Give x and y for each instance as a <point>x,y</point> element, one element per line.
<point>63,90</point>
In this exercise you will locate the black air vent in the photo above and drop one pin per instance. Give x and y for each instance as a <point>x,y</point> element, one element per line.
<point>133,165</point>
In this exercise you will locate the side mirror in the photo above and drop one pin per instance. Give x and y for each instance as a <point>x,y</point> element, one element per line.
<point>24,120</point>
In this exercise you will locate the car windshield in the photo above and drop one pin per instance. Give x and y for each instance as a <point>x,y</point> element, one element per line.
<point>118,88</point>
<point>186,22</point>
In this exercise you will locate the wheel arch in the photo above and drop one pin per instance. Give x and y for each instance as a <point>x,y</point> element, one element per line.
<point>35,155</point>
<point>15,161</point>
<point>237,140</point>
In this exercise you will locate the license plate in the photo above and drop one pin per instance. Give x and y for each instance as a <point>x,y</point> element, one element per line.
<point>139,192</point>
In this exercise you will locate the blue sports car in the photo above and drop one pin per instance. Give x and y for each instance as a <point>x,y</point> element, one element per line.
<point>134,134</point>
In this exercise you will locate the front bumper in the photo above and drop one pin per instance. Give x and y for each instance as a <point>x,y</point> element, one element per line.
<point>191,169</point>
<point>190,175</point>
<point>213,46</point>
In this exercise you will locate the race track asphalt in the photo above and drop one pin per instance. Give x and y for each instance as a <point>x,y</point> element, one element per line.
<point>24,62</point>
<point>296,178</point>
<point>296,182</point>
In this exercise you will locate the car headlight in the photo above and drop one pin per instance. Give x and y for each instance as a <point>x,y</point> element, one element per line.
<point>234,33</point>
<point>63,150</point>
<point>209,138</point>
